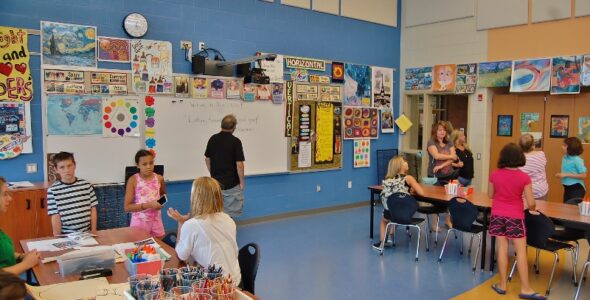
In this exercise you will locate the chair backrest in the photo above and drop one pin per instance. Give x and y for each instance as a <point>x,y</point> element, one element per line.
<point>402,207</point>
<point>574,201</point>
<point>383,158</point>
<point>132,170</point>
<point>463,213</point>
<point>538,229</point>
<point>249,262</point>
<point>170,239</point>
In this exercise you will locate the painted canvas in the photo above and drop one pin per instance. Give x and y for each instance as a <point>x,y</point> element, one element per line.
<point>529,121</point>
<point>559,126</point>
<point>362,153</point>
<point>200,88</point>
<point>68,45</point>
<point>113,49</point>
<point>234,88</point>
<point>217,88</point>
<point>74,114</point>
<point>531,75</point>
<point>120,117</point>
<point>181,88</point>
<point>494,74</point>
<point>504,125</point>
<point>586,71</point>
<point>565,74</point>
<point>466,79</point>
<point>15,71</point>
<point>357,85</point>
<point>151,65</point>
<point>387,121</point>
<point>382,79</point>
<point>418,79</point>
<point>361,122</point>
<point>584,129</point>
<point>13,133</point>
<point>444,78</point>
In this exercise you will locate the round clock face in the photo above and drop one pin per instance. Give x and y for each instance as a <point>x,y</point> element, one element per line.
<point>135,25</point>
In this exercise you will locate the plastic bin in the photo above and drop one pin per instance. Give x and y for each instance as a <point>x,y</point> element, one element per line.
<point>148,267</point>
<point>77,261</point>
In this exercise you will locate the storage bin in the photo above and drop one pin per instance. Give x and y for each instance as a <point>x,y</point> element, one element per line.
<point>77,261</point>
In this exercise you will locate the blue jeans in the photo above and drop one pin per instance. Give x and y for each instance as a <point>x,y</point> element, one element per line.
<point>464,181</point>
<point>233,201</point>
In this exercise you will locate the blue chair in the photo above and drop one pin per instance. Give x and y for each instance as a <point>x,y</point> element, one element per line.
<point>402,208</point>
<point>463,215</point>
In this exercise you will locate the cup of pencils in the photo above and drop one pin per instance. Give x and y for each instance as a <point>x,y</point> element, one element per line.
<point>195,296</point>
<point>158,295</point>
<point>203,285</point>
<point>223,291</point>
<point>134,279</point>
<point>190,275</point>
<point>168,278</point>
<point>145,287</point>
<point>178,291</point>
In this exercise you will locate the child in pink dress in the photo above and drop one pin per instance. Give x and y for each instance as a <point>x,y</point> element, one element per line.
<point>142,194</point>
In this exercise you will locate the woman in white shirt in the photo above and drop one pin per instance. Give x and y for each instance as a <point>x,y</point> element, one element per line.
<point>207,235</point>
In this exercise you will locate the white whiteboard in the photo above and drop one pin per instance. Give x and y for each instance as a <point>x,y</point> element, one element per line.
<point>501,13</point>
<point>421,12</point>
<point>184,127</point>
<point>549,10</point>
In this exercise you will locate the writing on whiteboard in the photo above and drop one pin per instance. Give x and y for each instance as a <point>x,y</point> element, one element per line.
<point>210,114</point>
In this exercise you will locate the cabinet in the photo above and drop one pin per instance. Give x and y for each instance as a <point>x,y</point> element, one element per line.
<point>26,217</point>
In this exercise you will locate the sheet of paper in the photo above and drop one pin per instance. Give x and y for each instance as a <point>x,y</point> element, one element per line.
<point>20,184</point>
<point>60,244</point>
<point>84,289</point>
<point>304,157</point>
<point>403,123</point>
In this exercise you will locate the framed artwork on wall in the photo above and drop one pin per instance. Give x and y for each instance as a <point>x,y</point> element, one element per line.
<point>559,126</point>
<point>504,125</point>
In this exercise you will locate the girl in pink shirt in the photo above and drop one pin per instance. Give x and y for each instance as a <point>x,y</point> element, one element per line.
<point>506,189</point>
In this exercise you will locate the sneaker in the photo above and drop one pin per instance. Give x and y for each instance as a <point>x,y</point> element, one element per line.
<point>377,246</point>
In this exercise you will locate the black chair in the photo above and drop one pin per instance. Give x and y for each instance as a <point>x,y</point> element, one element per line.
<point>539,229</point>
<point>463,215</point>
<point>170,239</point>
<point>402,208</point>
<point>431,210</point>
<point>567,235</point>
<point>249,262</point>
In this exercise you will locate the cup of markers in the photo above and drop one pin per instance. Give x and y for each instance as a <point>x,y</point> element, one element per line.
<point>584,207</point>
<point>168,279</point>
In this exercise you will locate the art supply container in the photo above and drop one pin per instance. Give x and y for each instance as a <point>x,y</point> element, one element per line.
<point>168,279</point>
<point>202,285</point>
<point>180,290</point>
<point>145,287</point>
<point>189,278</point>
<point>134,280</point>
<point>158,295</point>
<point>195,296</point>
<point>223,292</point>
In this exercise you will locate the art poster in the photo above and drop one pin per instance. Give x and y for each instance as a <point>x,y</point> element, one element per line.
<point>494,74</point>
<point>13,133</point>
<point>530,75</point>
<point>466,79</point>
<point>586,71</point>
<point>300,75</point>
<point>319,79</point>
<point>504,125</point>
<point>559,126</point>
<point>357,85</point>
<point>263,92</point>
<point>387,120</point>
<point>120,117</point>
<point>64,82</point>
<point>274,69</point>
<point>217,88</point>
<point>113,49</point>
<point>584,129</point>
<point>150,123</point>
<point>444,78</point>
<point>181,86</point>
<point>330,93</point>
<point>16,83</point>
<point>529,121</point>
<point>337,72</point>
<point>277,93</point>
<point>234,88</point>
<point>362,153</point>
<point>361,122</point>
<point>418,79</point>
<point>306,92</point>
<point>74,114</point>
<point>108,83</point>
<point>68,45</point>
<point>51,170</point>
<point>382,79</point>
<point>249,92</point>
<point>324,133</point>
<point>151,64</point>
<point>200,88</point>
<point>565,74</point>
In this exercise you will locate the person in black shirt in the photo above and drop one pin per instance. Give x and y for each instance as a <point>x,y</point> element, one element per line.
<point>464,160</point>
<point>224,157</point>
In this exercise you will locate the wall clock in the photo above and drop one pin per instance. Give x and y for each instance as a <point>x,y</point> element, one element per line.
<point>135,25</point>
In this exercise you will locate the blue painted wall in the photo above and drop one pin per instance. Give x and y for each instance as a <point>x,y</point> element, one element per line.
<point>238,28</point>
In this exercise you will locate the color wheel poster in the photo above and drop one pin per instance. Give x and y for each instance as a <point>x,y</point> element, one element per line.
<point>120,117</point>
<point>531,75</point>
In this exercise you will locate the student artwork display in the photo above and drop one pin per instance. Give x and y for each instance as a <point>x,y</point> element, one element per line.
<point>361,122</point>
<point>584,129</point>
<point>277,93</point>
<point>263,92</point>
<point>319,79</point>
<point>74,114</point>
<point>382,79</point>
<point>289,93</point>
<point>586,71</point>
<point>217,88</point>
<point>16,83</point>
<point>300,75</point>
<point>418,79</point>
<point>151,65</point>
<point>13,133</point>
<point>387,121</point>
<point>108,83</point>
<point>494,74</point>
<point>559,126</point>
<point>531,75</point>
<point>249,94</point>
<point>504,125</point>
<point>150,122</point>
<point>362,153</point>
<point>234,88</point>
<point>357,85</point>
<point>120,117</point>
<point>444,78</point>
<point>466,79</point>
<point>565,74</point>
<point>200,88</point>
<point>529,121</point>
<point>274,69</point>
<point>64,82</point>
<point>181,88</point>
<point>68,45</point>
<point>328,128</point>
<point>330,93</point>
<point>306,92</point>
<point>113,49</point>
<point>337,72</point>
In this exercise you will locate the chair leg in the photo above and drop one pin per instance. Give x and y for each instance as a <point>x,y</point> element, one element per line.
<point>408,231</point>
<point>574,262</point>
<point>394,235</point>
<point>582,277</point>
<point>478,248</point>
<point>427,239</point>
<point>536,265</point>
<point>555,260</point>
<point>437,229</point>
<point>512,270</point>
<point>461,249</point>
<point>470,244</point>
<point>382,245</point>
<point>418,243</point>
<point>442,251</point>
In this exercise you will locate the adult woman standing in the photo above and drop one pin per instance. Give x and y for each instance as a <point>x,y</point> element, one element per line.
<point>441,154</point>
<point>11,261</point>
<point>536,163</point>
<point>465,158</point>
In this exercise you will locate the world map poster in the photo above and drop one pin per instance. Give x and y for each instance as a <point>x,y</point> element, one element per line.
<point>74,114</point>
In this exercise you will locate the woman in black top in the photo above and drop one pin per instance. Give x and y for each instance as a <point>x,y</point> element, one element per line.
<point>464,160</point>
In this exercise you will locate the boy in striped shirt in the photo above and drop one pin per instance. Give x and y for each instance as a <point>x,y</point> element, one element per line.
<point>71,201</point>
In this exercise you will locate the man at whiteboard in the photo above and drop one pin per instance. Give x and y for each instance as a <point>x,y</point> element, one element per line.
<point>224,157</point>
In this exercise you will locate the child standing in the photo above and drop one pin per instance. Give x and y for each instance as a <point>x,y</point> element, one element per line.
<point>207,235</point>
<point>396,181</point>
<point>507,185</point>
<point>573,170</point>
<point>464,158</point>
<point>142,194</point>
<point>71,201</point>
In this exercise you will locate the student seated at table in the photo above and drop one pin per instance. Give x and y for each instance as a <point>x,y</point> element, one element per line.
<point>207,235</point>
<point>71,201</point>
<point>11,287</point>
<point>396,181</point>
<point>10,261</point>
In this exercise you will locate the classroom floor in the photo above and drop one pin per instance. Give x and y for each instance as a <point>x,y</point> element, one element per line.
<point>329,256</point>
